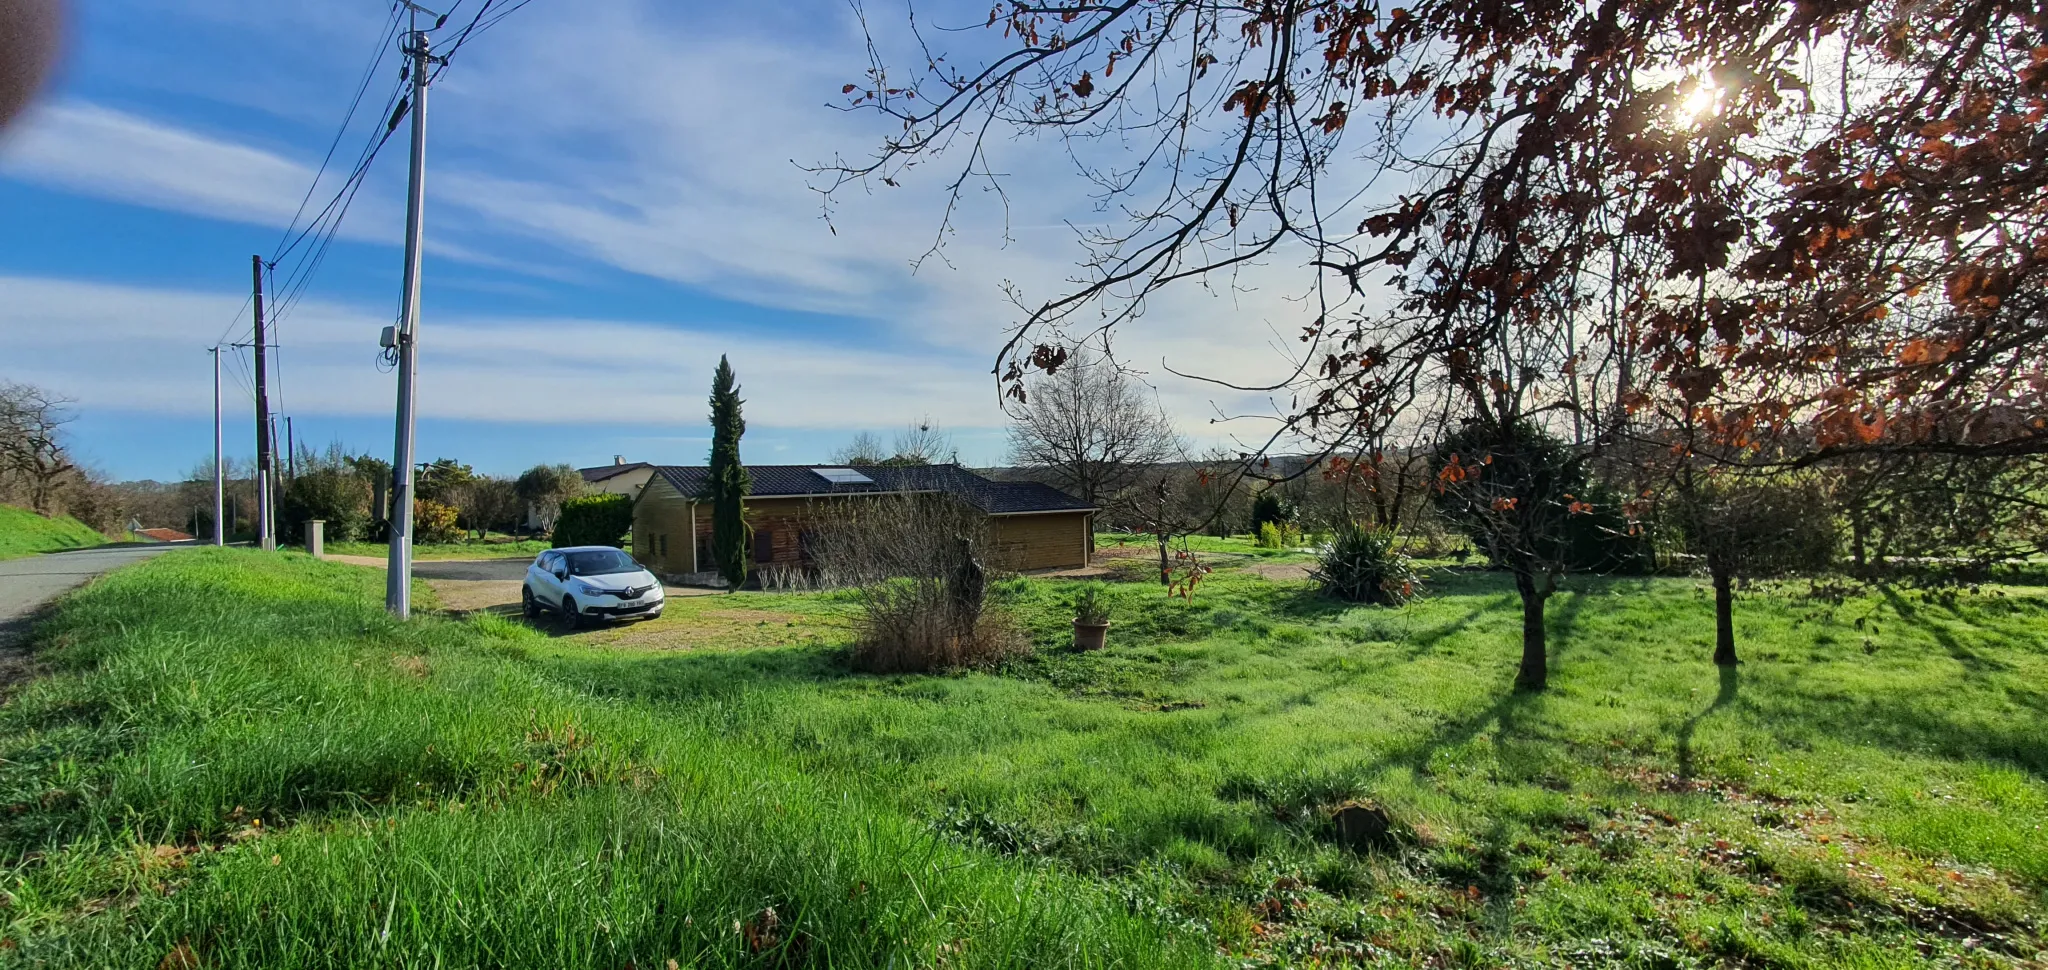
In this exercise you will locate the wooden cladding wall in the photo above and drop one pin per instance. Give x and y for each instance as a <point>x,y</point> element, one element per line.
<point>663,536</point>
<point>1054,540</point>
<point>779,524</point>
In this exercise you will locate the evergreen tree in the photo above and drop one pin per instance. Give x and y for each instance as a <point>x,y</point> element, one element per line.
<point>732,539</point>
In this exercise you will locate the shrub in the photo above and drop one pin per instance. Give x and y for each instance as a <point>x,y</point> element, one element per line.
<point>909,625</point>
<point>1090,606</point>
<point>335,495</point>
<point>1269,507</point>
<point>914,564</point>
<point>594,520</point>
<point>1277,535</point>
<point>1362,565</point>
<point>435,522</point>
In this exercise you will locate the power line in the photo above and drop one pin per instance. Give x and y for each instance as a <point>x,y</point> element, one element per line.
<point>348,118</point>
<point>237,318</point>
<point>477,25</point>
<point>326,224</point>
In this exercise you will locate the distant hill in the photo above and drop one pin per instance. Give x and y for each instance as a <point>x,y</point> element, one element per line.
<point>24,533</point>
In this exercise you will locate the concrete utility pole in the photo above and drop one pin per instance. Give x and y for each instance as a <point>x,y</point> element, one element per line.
<point>265,537</point>
<point>291,450</point>
<point>398,574</point>
<point>219,535</point>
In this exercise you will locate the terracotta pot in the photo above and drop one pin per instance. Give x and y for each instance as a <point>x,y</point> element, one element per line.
<point>1089,636</point>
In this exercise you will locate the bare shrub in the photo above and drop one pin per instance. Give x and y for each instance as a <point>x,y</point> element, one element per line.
<point>916,566</point>
<point>781,578</point>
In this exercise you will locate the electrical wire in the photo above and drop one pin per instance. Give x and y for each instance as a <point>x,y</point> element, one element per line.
<point>328,220</point>
<point>237,318</point>
<point>326,224</point>
<point>477,25</point>
<point>348,118</point>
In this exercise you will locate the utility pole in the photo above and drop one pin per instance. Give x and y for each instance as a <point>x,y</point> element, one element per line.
<point>265,537</point>
<point>291,450</point>
<point>398,574</point>
<point>219,535</point>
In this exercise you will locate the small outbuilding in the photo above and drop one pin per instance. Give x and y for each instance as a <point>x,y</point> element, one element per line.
<point>1032,526</point>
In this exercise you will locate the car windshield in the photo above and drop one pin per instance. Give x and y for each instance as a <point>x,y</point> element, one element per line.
<point>599,562</point>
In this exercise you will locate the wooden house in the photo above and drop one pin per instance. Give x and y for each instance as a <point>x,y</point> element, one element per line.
<point>1031,526</point>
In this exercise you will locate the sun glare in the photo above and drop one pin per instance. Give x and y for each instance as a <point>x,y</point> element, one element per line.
<point>1700,103</point>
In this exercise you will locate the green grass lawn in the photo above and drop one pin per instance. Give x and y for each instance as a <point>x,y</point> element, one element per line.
<point>1867,790</point>
<point>491,547</point>
<point>25,533</point>
<point>1135,543</point>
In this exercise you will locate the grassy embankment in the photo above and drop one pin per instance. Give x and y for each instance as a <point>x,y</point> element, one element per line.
<point>25,533</point>
<point>1866,791</point>
<point>490,547</point>
<point>240,761</point>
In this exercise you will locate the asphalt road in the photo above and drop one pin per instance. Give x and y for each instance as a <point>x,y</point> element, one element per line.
<point>28,583</point>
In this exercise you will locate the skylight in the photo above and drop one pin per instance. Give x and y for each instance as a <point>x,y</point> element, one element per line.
<point>842,476</point>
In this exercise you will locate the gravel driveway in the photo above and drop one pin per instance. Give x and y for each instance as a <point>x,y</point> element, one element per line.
<point>469,585</point>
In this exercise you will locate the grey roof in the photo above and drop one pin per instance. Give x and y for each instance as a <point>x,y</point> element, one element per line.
<point>594,475</point>
<point>995,498</point>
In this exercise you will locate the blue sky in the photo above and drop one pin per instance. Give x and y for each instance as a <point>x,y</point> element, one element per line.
<point>614,199</point>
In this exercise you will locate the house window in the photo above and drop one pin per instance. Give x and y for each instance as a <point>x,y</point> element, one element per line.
<point>764,545</point>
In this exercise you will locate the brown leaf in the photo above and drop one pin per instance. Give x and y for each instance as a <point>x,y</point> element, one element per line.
<point>181,957</point>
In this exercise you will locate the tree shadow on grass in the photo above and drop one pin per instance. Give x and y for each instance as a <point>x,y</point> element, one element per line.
<point>701,675</point>
<point>1974,663</point>
<point>1731,687</point>
<point>1426,640</point>
<point>1507,711</point>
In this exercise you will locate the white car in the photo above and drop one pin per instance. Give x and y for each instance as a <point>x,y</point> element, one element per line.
<point>590,583</point>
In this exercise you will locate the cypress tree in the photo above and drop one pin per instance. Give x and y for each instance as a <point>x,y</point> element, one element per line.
<point>732,539</point>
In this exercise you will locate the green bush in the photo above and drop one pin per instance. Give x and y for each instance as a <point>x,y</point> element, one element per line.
<point>435,522</point>
<point>1269,507</point>
<point>594,520</point>
<point>1362,565</point>
<point>1277,535</point>
<point>337,496</point>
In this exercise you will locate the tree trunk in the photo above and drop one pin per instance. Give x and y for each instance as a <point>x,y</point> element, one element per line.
<point>1165,568</point>
<point>1856,541</point>
<point>1724,613</point>
<point>1535,671</point>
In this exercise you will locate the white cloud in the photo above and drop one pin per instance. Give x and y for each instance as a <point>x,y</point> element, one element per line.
<point>100,151</point>
<point>658,141</point>
<point>147,357</point>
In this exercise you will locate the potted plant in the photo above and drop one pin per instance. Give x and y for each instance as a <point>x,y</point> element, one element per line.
<point>1091,617</point>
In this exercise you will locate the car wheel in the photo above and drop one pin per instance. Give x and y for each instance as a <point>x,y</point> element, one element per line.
<point>528,606</point>
<point>571,613</point>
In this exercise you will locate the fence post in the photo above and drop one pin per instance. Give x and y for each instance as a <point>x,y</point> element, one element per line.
<point>316,538</point>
